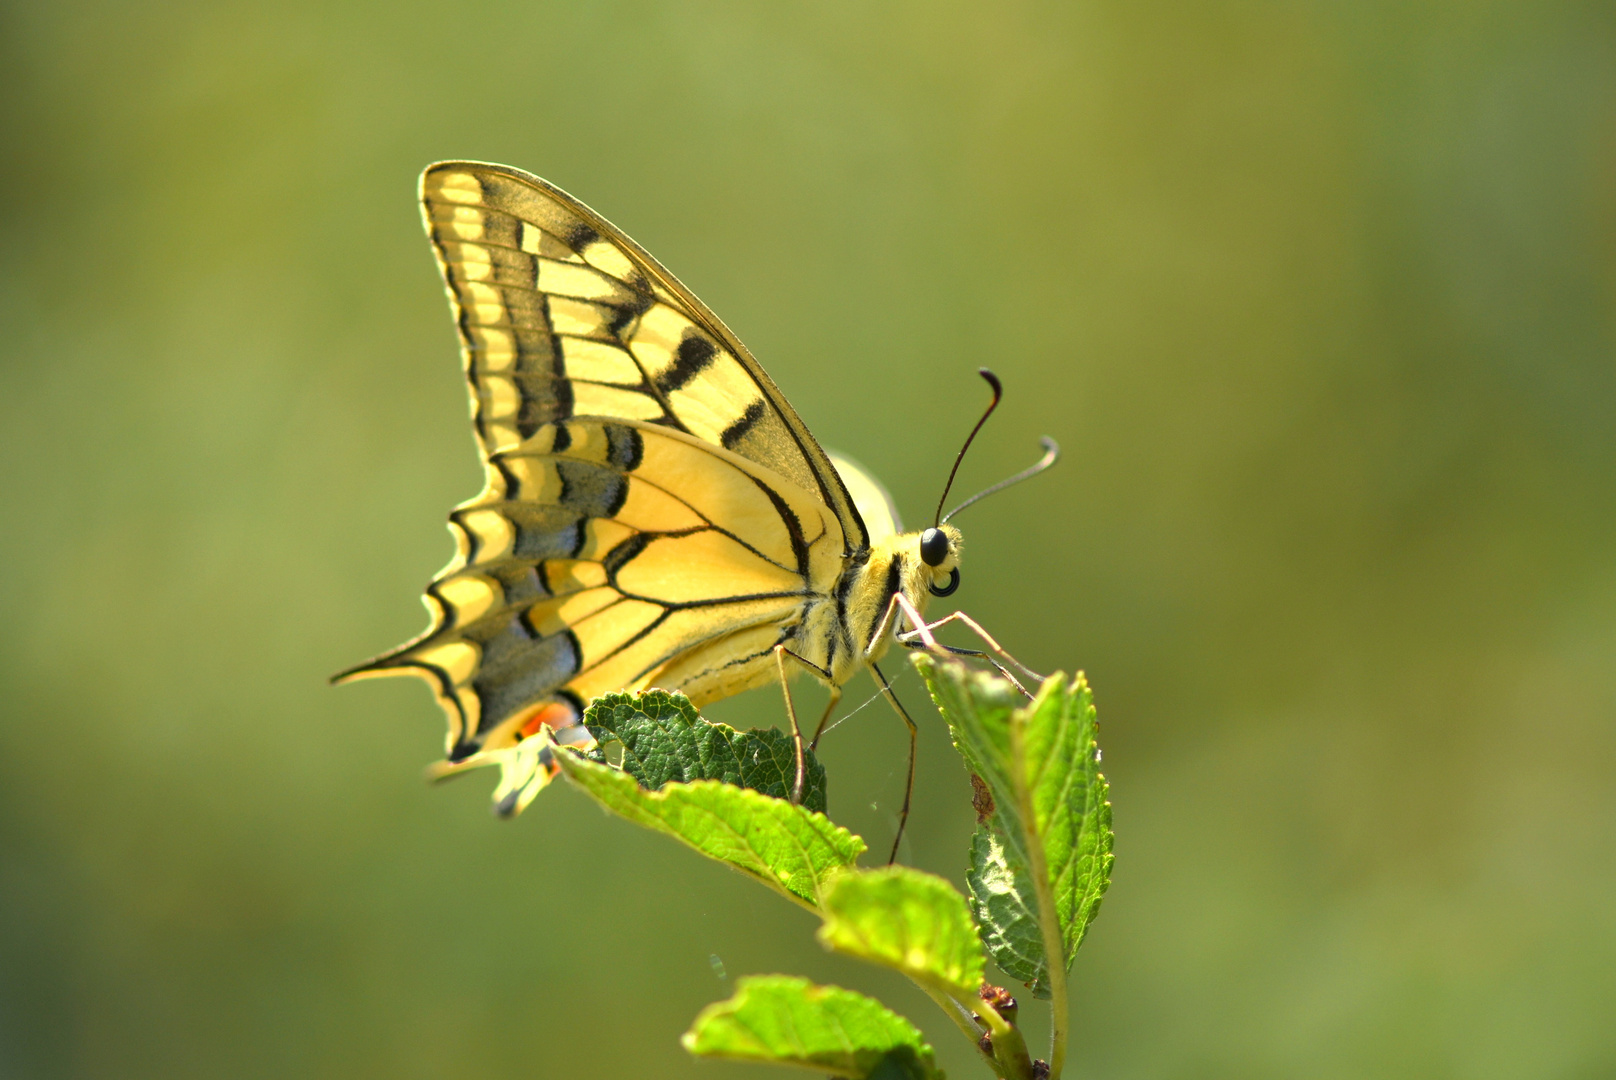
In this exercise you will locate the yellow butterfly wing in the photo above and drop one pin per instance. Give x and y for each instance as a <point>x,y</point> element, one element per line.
<point>654,513</point>
<point>870,497</point>
<point>562,315</point>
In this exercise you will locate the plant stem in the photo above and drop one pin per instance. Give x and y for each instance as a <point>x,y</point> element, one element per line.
<point>1010,1058</point>
<point>957,1011</point>
<point>1048,916</point>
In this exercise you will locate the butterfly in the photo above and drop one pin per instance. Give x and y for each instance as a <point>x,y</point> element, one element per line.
<point>654,512</point>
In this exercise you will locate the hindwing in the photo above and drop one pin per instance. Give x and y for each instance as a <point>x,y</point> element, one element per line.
<point>606,555</point>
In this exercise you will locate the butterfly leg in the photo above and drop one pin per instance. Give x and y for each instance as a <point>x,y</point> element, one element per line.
<point>830,707</point>
<point>780,655</point>
<point>975,654</point>
<point>909,780</point>
<point>923,630</point>
<point>976,628</point>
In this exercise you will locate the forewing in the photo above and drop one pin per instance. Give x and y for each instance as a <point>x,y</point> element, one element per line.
<point>560,315</point>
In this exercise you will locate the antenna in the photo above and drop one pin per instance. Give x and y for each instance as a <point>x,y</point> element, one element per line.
<point>1051,455</point>
<point>998,392</point>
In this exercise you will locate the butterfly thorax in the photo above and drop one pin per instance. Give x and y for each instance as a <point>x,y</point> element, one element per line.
<point>846,633</point>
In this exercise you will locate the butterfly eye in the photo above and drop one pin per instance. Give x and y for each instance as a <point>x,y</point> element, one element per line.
<point>934,548</point>
<point>947,590</point>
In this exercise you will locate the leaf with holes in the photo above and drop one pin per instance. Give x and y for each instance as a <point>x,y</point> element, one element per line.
<point>664,740</point>
<point>1041,861</point>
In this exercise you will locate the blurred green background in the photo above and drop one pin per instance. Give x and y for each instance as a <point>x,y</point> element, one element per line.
<point>1318,299</point>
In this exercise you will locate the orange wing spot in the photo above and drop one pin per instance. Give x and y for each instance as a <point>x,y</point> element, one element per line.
<point>553,713</point>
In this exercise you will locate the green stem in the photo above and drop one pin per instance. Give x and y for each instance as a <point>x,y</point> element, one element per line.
<point>1009,1058</point>
<point>1048,917</point>
<point>957,1011</point>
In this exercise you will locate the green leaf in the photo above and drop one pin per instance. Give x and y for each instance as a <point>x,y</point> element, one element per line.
<point>1050,810</point>
<point>665,740</point>
<point>789,848</point>
<point>1006,907</point>
<point>790,1021</point>
<point>915,922</point>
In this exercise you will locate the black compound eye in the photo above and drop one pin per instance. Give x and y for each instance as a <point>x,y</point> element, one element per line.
<point>947,590</point>
<point>933,547</point>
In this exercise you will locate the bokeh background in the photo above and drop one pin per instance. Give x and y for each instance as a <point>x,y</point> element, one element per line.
<point>1318,299</point>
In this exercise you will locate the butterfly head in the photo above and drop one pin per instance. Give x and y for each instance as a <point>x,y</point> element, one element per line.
<point>940,544</point>
<point>940,551</point>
